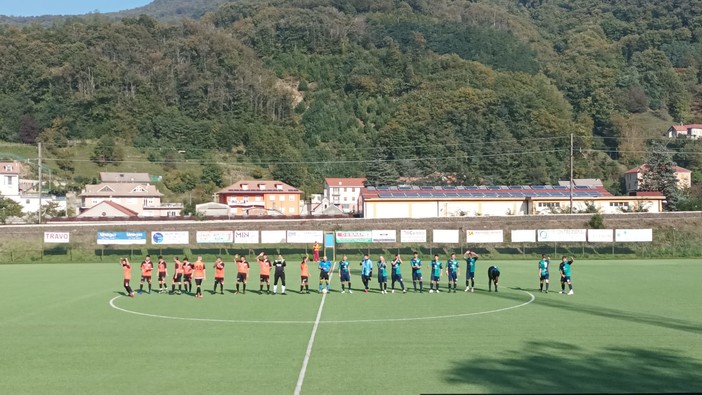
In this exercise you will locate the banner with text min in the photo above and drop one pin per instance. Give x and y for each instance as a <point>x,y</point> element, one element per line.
<point>245,237</point>
<point>121,238</point>
<point>562,235</point>
<point>484,236</point>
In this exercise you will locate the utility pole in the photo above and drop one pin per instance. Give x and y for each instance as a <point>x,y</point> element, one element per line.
<point>39,162</point>
<point>571,173</point>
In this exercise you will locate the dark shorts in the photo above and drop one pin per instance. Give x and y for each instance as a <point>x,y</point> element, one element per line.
<point>304,279</point>
<point>219,279</point>
<point>452,276</point>
<point>543,277</point>
<point>365,277</point>
<point>187,278</point>
<point>323,275</point>
<point>382,279</point>
<point>145,278</point>
<point>161,276</point>
<point>265,278</point>
<point>397,277</point>
<point>198,281</point>
<point>435,278</point>
<point>470,275</point>
<point>566,279</point>
<point>493,274</point>
<point>178,277</point>
<point>416,275</point>
<point>241,277</point>
<point>279,276</point>
<point>345,276</point>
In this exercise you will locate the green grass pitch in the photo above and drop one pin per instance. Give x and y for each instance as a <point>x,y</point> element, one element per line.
<point>632,326</point>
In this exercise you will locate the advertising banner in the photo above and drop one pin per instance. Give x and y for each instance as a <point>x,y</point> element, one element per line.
<point>214,236</point>
<point>413,235</point>
<point>445,236</point>
<point>384,236</point>
<point>121,238</point>
<point>273,236</point>
<point>245,237</point>
<point>634,235</point>
<point>552,235</point>
<point>169,237</point>
<point>56,237</point>
<point>353,236</point>
<point>484,236</point>
<point>305,236</point>
<point>523,236</point>
<point>600,235</point>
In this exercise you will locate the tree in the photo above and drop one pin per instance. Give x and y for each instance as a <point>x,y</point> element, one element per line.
<point>9,208</point>
<point>29,130</point>
<point>107,152</point>
<point>381,173</point>
<point>659,175</point>
<point>212,173</point>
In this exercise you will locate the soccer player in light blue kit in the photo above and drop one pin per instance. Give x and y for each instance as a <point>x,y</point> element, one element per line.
<point>436,267</point>
<point>471,257</point>
<point>382,275</point>
<point>416,264</point>
<point>324,269</point>
<point>543,272</point>
<point>366,271</point>
<point>345,274</point>
<point>452,272</point>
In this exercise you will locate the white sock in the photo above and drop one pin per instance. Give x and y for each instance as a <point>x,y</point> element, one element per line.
<point>274,288</point>
<point>283,288</point>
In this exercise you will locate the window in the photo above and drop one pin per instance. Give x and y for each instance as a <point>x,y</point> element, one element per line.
<point>262,187</point>
<point>282,198</point>
<point>618,204</point>
<point>279,187</point>
<point>259,198</point>
<point>549,204</point>
<point>353,199</point>
<point>245,187</point>
<point>345,189</point>
<point>271,197</point>
<point>346,198</point>
<point>291,198</point>
<point>8,180</point>
<point>291,210</point>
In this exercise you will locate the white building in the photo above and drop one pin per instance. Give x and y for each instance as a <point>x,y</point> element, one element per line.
<point>692,131</point>
<point>634,178</point>
<point>470,201</point>
<point>344,192</point>
<point>9,179</point>
<point>144,199</point>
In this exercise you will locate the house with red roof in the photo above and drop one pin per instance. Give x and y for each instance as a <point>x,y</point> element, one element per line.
<point>634,177</point>
<point>691,131</point>
<point>260,197</point>
<point>344,192</point>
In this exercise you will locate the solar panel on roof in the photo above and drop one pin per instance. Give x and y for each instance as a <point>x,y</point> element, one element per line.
<point>472,187</point>
<point>538,187</point>
<point>385,195</point>
<point>426,188</point>
<point>449,188</point>
<point>560,187</point>
<point>404,187</point>
<point>515,187</point>
<point>460,187</point>
<point>383,188</point>
<point>371,188</point>
<point>492,187</point>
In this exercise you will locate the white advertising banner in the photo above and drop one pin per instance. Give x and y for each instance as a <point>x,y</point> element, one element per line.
<point>445,236</point>
<point>383,236</point>
<point>305,236</point>
<point>214,236</point>
<point>600,235</point>
<point>245,237</point>
<point>634,235</point>
<point>548,235</point>
<point>413,235</point>
<point>273,236</point>
<point>484,236</point>
<point>353,236</point>
<point>170,237</point>
<point>56,237</point>
<point>523,236</point>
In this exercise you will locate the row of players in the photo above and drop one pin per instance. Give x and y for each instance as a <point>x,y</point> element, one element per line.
<point>186,271</point>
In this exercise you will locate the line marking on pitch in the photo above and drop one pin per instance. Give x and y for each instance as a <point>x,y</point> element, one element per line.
<point>305,361</point>
<point>114,306</point>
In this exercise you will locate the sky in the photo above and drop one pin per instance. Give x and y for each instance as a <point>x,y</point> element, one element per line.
<point>65,7</point>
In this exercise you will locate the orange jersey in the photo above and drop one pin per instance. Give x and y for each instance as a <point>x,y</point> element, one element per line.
<point>127,268</point>
<point>146,268</point>
<point>188,269</point>
<point>178,267</point>
<point>265,267</point>
<point>219,270</point>
<point>162,267</point>
<point>304,269</point>
<point>199,269</point>
<point>243,267</point>
<point>316,247</point>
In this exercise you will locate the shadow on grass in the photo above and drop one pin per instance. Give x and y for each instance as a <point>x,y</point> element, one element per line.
<point>566,368</point>
<point>606,312</point>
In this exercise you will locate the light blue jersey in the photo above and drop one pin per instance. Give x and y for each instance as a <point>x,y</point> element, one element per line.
<point>366,267</point>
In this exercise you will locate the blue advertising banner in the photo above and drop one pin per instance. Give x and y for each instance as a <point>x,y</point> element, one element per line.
<point>121,238</point>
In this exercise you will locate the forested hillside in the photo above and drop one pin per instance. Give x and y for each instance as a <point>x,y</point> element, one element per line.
<point>413,91</point>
